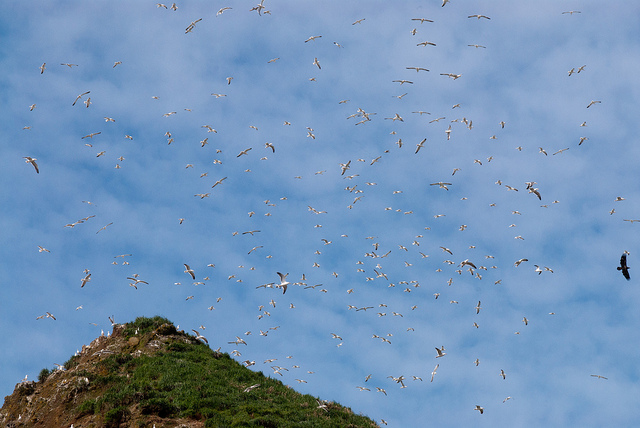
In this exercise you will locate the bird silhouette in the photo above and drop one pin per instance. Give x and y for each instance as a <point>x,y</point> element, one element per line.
<point>623,266</point>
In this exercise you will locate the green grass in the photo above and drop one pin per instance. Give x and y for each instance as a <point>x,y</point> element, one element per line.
<point>188,379</point>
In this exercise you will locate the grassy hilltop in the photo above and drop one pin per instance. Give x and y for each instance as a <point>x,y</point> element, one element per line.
<point>149,373</point>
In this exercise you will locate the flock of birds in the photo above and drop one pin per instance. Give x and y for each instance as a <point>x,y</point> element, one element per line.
<point>377,255</point>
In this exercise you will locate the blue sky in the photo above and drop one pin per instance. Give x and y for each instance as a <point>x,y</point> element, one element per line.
<point>521,77</point>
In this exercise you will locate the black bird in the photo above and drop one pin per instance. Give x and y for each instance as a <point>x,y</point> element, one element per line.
<point>623,266</point>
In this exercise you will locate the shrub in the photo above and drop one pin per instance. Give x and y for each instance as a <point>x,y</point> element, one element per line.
<point>44,374</point>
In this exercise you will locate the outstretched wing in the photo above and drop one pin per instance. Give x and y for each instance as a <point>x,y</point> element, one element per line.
<point>623,266</point>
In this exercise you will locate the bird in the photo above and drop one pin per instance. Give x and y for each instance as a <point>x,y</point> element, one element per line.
<point>441,184</point>
<point>480,409</point>
<point>517,262</point>
<point>32,161</point>
<point>502,374</point>
<point>433,373</point>
<point>623,266</point>
<point>41,249</point>
<point>599,377</point>
<point>593,102</point>
<point>453,76</point>
<point>417,69</point>
<point>426,43</point>
<point>80,96</point>
<point>440,352</point>
<point>358,21</point>
<point>86,279</point>
<point>46,315</point>
<point>200,337</point>
<point>189,271</point>
<point>478,16</point>
<point>191,26</point>
<point>283,282</point>
<point>244,152</point>
<point>478,307</point>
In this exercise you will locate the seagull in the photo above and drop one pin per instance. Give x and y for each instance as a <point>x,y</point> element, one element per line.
<point>445,249</point>
<point>422,20</point>
<point>311,38</point>
<point>593,102</point>
<point>478,16</point>
<point>623,266</point>
<point>441,184</point>
<point>137,281</point>
<point>221,11</point>
<point>32,161</point>
<point>453,76</point>
<point>433,373</point>
<point>440,352</point>
<point>283,282</point>
<point>478,307</point>
<point>417,69</point>
<point>189,271</point>
<point>359,21</point>
<point>315,62</point>
<point>480,409</point>
<point>599,377</point>
<point>80,96</point>
<point>244,152</point>
<point>85,280</point>
<point>200,337</point>
<point>41,249</point>
<point>502,374</point>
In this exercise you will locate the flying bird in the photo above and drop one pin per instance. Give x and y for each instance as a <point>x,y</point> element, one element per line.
<point>189,271</point>
<point>32,161</point>
<point>433,373</point>
<point>283,282</point>
<point>623,266</point>
<point>200,337</point>
<point>85,280</point>
<point>80,96</point>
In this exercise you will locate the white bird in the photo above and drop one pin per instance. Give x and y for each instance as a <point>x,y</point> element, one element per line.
<point>440,352</point>
<point>200,337</point>
<point>433,373</point>
<point>283,282</point>
<point>86,279</point>
<point>189,271</point>
<point>32,161</point>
